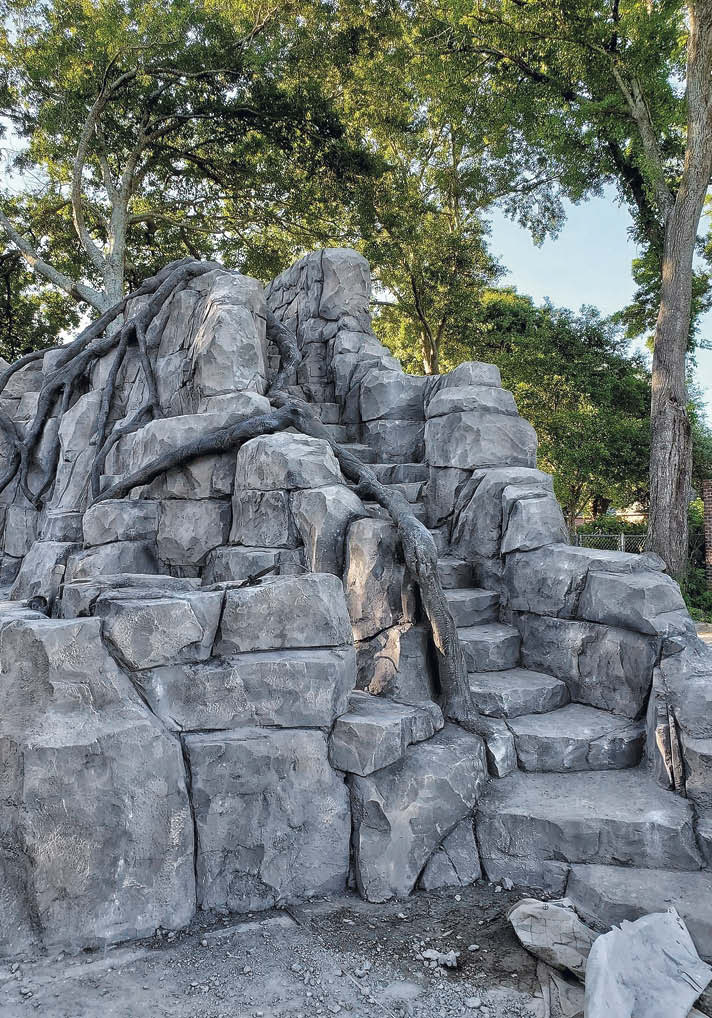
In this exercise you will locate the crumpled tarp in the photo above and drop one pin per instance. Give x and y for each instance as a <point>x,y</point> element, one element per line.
<point>645,969</point>
<point>553,932</point>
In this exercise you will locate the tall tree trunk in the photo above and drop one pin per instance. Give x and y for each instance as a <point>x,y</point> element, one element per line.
<point>430,353</point>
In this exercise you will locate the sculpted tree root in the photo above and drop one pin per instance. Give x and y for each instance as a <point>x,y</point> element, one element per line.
<point>75,360</point>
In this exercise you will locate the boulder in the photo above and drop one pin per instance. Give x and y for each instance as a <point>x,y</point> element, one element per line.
<point>439,781</point>
<point>464,375</point>
<point>395,441</point>
<point>475,439</point>
<point>229,564</point>
<point>577,738</point>
<point>271,816</point>
<point>455,862</point>
<point>262,519</point>
<point>116,557</point>
<point>462,398</point>
<point>286,461</point>
<point>477,523</point>
<point>322,517</point>
<point>442,492</point>
<point>289,611</point>
<point>188,529</point>
<point>20,530</point>
<point>379,590</point>
<point>638,600</point>
<point>42,571</point>
<point>532,521</point>
<point>396,663</point>
<point>120,520</point>
<point>95,824</point>
<point>285,689</point>
<point>346,286</point>
<point>602,666</point>
<point>374,732</point>
<point>516,691</point>
<point>80,596</point>
<point>148,631</point>
<point>392,395</point>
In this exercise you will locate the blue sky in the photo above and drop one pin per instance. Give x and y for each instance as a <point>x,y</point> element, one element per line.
<point>588,263</point>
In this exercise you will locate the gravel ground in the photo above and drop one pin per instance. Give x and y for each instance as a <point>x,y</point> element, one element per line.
<point>337,957</point>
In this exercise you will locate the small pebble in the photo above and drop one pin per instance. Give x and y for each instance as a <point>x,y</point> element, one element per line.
<point>203,942</point>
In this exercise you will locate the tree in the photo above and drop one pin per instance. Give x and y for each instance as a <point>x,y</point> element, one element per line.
<point>633,82</point>
<point>32,316</point>
<point>159,130</point>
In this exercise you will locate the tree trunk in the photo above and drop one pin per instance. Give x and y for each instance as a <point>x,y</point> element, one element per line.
<point>430,354</point>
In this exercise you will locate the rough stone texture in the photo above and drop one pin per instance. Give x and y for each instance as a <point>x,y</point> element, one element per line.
<point>286,689</point>
<point>442,492</point>
<point>460,398</point>
<point>285,461</point>
<point>120,520</point>
<point>475,439</point>
<point>80,596</point>
<point>21,526</point>
<point>262,519</point>
<point>490,647</point>
<point>530,827</point>
<point>379,590</point>
<point>375,732</point>
<point>464,375</point>
<point>149,631</point>
<point>439,782</point>
<point>472,606</point>
<point>516,691</point>
<point>42,571</point>
<point>395,441</point>
<point>577,738</point>
<point>456,861</point>
<point>608,895</point>
<point>76,454</point>
<point>531,521</point>
<point>322,517</point>
<point>117,557</point>
<point>272,818</point>
<point>499,744</point>
<point>396,663</point>
<point>188,529</point>
<point>290,611</point>
<point>550,581</point>
<point>477,524</point>
<point>392,395</point>
<point>346,283</point>
<point>95,827</point>
<point>228,565</point>
<point>633,600</point>
<point>602,666</point>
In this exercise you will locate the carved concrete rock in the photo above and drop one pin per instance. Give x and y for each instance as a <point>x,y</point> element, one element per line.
<point>189,529</point>
<point>602,666</point>
<point>577,738</point>
<point>379,590</point>
<point>42,571</point>
<point>290,611</point>
<point>120,520</point>
<point>21,526</point>
<point>439,781</point>
<point>285,689</point>
<point>272,818</point>
<point>95,825</point>
<point>396,663</point>
<point>80,596</point>
<point>116,557</point>
<point>633,600</point>
<point>531,521</point>
<point>262,519</point>
<point>395,441</point>
<point>460,398</point>
<point>475,439</point>
<point>322,517</point>
<point>455,862</point>
<point>477,525</point>
<point>346,285</point>
<point>515,691</point>
<point>238,565</point>
<point>286,461</point>
<point>392,395</point>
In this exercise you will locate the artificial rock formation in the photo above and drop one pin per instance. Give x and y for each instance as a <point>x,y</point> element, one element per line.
<point>312,623</point>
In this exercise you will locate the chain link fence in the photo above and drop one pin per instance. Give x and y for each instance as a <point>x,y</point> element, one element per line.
<point>612,542</point>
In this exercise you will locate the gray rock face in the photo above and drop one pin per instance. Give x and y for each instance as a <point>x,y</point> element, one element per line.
<point>290,611</point>
<point>477,524</point>
<point>392,395</point>
<point>499,745</point>
<point>285,689</point>
<point>379,591</point>
<point>475,439</point>
<point>149,631</point>
<point>439,781</point>
<point>550,581</point>
<point>466,374</point>
<point>346,283</point>
<point>94,818</point>
<point>516,691</point>
<point>375,732</point>
<point>632,600</point>
<point>456,862</point>
<point>80,596</point>
<point>490,647</point>
<point>577,738</point>
<point>532,521</point>
<point>530,827</point>
<point>471,606</point>
<point>461,398</point>
<point>20,530</point>
<point>395,441</point>
<point>42,571</point>
<point>189,529</point>
<point>444,487</point>
<point>285,461</point>
<point>229,565</point>
<point>602,666</point>
<point>261,519</point>
<point>117,557</point>
<point>272,818</point>
<point>120,520</point>
<point>322,517</point>
<point>396,663</point>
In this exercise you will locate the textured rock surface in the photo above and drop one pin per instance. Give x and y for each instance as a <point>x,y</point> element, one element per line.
<point>42,570</point>
<point>459,398</point>
<point>261,519</point>
<point>475,439</point>
<point>392,395</point>
<point>95,827</point>
<point>634,600</point>
<point>577,738</point>
<point>116,557</point>
<point>272,818</point>
<point>456,861</point>
<point>226,564</point>
<point>290,611</point>
<point>287,462</point>
<point>188,530</point>
<point>322,517</point>
<point>286,689</point>
<point>438,782</point>
<point>531,521</point>
<point>515,691</point>
<point>379,591</point>
<point>396,663</point>
<point>121,520</point>
<point>490,647</point>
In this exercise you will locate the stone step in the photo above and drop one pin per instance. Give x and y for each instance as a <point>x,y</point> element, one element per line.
<point>577,738</point>
<point>410,489</point>
<point>441,536</point>
<point>337,432</point>
<point>364,452</point>
<point>397,473</point>
<point>490,647</point>
<point>328,413</point>
<point>454,572</point>
<point>470,606</point>
<point>376,731</point>
<point>532,827</point>
<point>609,894</point>
<point>517,691</point>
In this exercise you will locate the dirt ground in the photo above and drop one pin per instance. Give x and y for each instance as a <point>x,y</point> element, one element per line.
<point>341,956</point>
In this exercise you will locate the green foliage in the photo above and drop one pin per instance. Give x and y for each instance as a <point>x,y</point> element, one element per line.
<point>32,316</point>
<point>611,525</point>
<point>697,597</point>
